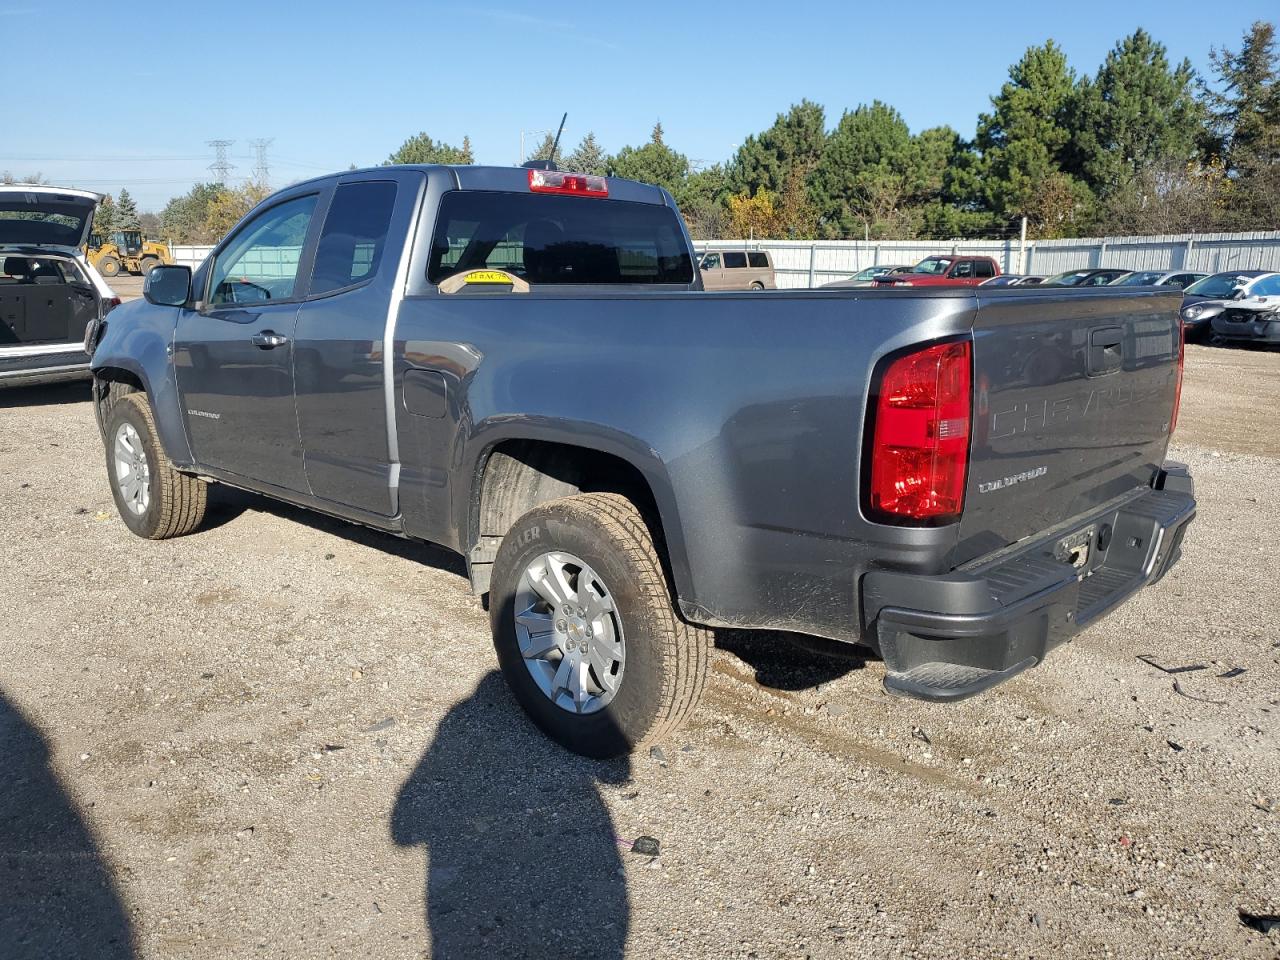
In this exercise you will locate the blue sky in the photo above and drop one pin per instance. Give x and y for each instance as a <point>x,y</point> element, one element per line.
<point>342,83</point>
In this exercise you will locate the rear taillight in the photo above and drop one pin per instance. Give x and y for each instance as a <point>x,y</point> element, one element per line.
<point>1177,392</point>
<point>919,453</point>
<point>577,184</point>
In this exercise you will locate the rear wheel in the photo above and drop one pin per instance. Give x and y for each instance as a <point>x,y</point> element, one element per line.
<point>757,285</point>
<point>149,264</point>
<point>109,266</point>
<point>585,630</point>
<point>155,501</point>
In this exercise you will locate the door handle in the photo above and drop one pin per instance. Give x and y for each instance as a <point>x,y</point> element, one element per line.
<point>268,340</point>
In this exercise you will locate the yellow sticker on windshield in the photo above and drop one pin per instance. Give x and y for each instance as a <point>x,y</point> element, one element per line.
<point>488,276</point>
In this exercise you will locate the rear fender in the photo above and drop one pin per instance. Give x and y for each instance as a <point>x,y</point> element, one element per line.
<point>589,436</point>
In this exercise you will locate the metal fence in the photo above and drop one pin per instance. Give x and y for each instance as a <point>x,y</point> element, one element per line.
<point>811,263</point>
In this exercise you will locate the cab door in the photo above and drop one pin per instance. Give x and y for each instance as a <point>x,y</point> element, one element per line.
<point>341,365</point>
<point>234,354</point>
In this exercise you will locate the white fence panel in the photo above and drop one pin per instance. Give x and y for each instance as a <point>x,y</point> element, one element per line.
<point>189,256</point>
<point>805,263</point>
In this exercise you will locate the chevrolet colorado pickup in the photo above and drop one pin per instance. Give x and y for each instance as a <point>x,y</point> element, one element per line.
<point>520,365</point>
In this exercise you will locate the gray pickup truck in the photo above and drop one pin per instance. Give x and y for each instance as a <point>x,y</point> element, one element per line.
<point>520,365</point>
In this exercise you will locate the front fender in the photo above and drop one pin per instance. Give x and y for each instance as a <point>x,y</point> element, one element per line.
<point>136,340</point>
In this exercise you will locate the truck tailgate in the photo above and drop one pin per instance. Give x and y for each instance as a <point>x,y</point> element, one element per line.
<point>1073,406</point>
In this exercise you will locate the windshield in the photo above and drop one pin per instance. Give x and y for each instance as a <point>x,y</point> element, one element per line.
<point>1072,278</point>
<point>1220,284</point>
<point>931,265</point>
<point>1144,278</point>
<point>559,240</point>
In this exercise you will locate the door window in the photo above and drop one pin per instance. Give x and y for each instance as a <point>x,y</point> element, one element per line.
<point>260,263</point>
<point>355,231</point>
<point>734,259</point>
<point>758,260</point>
<point>963,269</point>
<point>711,261</point>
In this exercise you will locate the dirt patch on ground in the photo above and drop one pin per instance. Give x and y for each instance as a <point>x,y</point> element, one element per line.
<point>286,739</point>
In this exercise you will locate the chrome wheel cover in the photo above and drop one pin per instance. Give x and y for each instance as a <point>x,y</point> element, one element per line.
<point>569,632</point>
<point>133,473</point>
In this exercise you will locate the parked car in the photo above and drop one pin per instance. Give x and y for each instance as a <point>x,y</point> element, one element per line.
<point>1158,278</point>
<point>737,270</point>
<point>1206,298</point>
<point>1083,278</point>
<point>478,357</point>
<point>957,271</point>
<point>1251,319</point>
<point>864,277</point>
<point>49,292</point>
<point>1012,280</point>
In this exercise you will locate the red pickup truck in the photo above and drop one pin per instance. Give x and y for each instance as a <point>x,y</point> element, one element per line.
<point>943,271</point>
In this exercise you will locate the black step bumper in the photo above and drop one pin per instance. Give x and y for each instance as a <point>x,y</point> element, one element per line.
<point>949,637</point>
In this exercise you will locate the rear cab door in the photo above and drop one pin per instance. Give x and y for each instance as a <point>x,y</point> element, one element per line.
<point>342,348</point>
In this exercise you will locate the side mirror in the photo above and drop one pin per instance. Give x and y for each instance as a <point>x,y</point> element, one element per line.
<point>167,286</point>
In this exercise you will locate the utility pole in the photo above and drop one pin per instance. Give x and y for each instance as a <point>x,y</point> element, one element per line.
<point>221,166</point>
<point>1022,248</point>
<point>261,171</point>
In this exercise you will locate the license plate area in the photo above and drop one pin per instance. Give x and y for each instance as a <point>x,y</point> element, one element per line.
<point>1076,548</point>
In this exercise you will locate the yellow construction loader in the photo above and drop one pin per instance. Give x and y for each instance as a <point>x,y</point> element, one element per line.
<point>126,250</point>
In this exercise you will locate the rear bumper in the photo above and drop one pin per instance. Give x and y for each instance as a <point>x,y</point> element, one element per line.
<point>1253,331</point>
<point>950,637</point>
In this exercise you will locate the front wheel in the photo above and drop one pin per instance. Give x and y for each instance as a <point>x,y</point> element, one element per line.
<point>155,500</point>
<point>585,630</point>
<point>109,266</point>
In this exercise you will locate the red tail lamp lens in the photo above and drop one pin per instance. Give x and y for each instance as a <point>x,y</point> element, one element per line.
<point>920,451</point>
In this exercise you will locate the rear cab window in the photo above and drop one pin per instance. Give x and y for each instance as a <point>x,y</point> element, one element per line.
<point>558,240</point>
<point>354,235</point>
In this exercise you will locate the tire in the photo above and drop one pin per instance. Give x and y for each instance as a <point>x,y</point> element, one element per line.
<point>149,264</point>
<point>661,675</point>
<point>164,503</point>
<point>757,286</point>
<point>109,266</point>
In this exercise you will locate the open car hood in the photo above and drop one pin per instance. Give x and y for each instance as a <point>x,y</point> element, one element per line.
<point>46,215</point>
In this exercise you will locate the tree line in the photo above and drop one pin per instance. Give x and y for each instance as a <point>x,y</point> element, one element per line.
<point>1140,146</point>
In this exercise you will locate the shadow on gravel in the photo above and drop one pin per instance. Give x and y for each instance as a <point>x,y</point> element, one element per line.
<point>57,897</point>
<point>523,858</point>
<point>228,503</point>
<point>792,661</point>
<point>73,391</point>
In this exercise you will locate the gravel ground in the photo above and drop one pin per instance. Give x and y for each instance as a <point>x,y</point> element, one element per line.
<point>284,737</point>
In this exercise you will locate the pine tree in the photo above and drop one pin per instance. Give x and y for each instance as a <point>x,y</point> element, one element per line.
<point>423,149</point>
<point>1245,111</point>
<point>587,157</point>
<point>126,211</point>
<point>1024,145</point>
<point>654,163</point>
<point>1138,113</point>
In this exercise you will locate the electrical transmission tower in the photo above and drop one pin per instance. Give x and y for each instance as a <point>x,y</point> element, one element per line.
<point>261,171</point>
<point>221,166</point>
